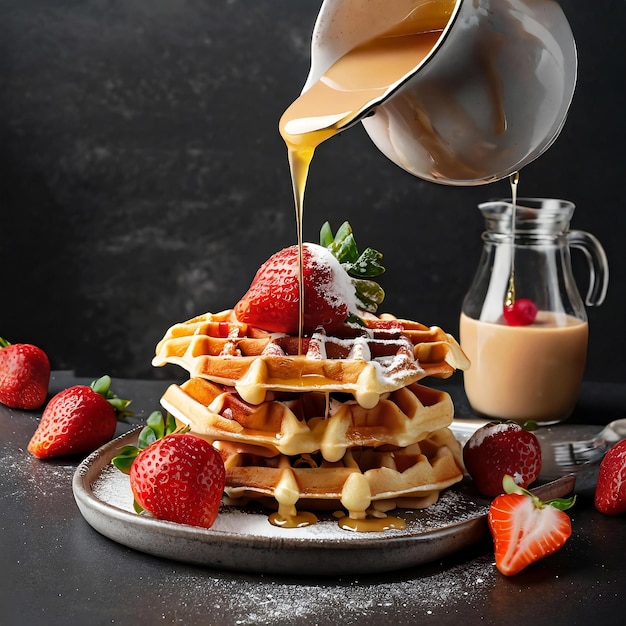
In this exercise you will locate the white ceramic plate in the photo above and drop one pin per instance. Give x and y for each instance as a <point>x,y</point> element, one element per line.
<point>244,540</point>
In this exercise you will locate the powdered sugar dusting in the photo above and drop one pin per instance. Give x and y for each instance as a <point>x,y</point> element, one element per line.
<point>453,507</point>
<point>483,433</point>
<point>45,480</point>
<point>435,588</point>
<point>340,290</point>
<point>405,598</point>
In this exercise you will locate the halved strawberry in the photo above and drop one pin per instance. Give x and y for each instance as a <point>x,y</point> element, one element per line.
<point>336,285</point>
<point>526,529</point>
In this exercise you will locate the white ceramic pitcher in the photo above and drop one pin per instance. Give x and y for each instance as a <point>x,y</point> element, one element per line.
<point>491,97</point>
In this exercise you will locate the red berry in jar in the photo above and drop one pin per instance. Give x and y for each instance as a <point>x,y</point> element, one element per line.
<point>522,312</point>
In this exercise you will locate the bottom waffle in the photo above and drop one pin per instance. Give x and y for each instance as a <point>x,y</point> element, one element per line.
<point>366,481</point>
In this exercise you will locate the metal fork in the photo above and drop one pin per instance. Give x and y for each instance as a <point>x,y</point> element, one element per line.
<point>573,455</point>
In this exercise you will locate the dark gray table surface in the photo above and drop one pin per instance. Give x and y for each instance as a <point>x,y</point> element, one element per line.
<point>57,570</point>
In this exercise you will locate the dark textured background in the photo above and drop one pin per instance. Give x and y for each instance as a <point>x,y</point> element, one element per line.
<point>143,179</point>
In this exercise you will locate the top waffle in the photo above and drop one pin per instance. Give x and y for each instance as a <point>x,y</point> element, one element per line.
<point>384,355</point>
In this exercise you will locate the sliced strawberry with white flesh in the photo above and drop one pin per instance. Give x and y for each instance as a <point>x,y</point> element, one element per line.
<point>526,529</point>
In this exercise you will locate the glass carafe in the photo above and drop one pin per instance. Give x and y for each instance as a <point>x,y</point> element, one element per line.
<point>531,371</point>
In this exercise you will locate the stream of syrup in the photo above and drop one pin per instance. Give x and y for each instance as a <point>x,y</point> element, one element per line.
<point>362,76</point>
<point>509,298</point>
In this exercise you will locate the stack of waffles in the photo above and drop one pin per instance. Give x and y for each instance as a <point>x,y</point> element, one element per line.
<point>320,422</point>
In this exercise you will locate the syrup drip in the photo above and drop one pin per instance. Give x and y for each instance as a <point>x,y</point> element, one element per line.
<point>300,157</point>
<point>371,524</point>
<point>299,520</point>
<point>509,298</point>
<point>362,76</point>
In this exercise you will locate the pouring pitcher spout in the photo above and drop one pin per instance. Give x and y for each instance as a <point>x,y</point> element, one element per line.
<point>456,92</point>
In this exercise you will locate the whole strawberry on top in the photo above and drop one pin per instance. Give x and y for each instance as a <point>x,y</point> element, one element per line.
<point>498,449</point>
<point>78,420</point>
<point>610,492</point>
<point>526,529</point>
<point>336,285</point>
<point>24,375</point>
<point>174,475</point>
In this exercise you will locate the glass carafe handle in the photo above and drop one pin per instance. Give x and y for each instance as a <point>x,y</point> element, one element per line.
<point>598,264</point>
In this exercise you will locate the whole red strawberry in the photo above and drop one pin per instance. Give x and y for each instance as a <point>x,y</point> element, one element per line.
<point>335,282</point>
<point>498,449</point>
<point>526,529</point>
<point>272,301</point>
<point>24,375</point>
<point>179,478</point>
<point>78,420</point>
<point>610,493</point>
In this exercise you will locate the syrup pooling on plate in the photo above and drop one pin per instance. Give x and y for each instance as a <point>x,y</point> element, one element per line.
<point>371,524</point>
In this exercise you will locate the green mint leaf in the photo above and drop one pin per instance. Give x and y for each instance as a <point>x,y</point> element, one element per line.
<point>368,264</point>
<point>326,235</point>
<point>369,293</point>
<point>125,457</point>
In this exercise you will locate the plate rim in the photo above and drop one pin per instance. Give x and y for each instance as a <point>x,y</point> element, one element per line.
<point>211,547</point>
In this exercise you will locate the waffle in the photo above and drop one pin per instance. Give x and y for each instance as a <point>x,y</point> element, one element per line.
<point>362,481</point>
<point>318,421</point>
<point>383,355</point>
<point>319,453</point>
<point>305,423</point>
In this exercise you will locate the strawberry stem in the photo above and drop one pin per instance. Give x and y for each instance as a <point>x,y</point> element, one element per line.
<point>510,486</point>
<point>102,386</point>
<point>359,266</point>
<point>4,343</point>
<point>156,427</point>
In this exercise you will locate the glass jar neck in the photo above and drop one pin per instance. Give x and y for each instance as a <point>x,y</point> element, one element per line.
<point>535,218</point>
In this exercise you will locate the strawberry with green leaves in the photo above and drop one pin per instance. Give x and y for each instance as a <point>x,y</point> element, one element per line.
<point>174,475</point>
<point>526,529</point>
<point>78,420</point>
<point>336,279</point>
<point>24,375</point>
